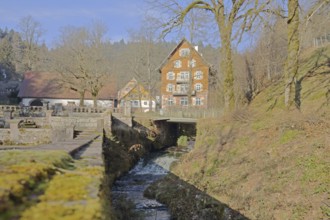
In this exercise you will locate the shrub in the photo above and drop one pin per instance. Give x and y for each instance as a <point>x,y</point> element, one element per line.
<point>182,141</point>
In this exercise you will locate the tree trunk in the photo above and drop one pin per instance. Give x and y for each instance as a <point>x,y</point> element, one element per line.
<point>150,99</point>
<point>292,64</point>
<point>81,98</point>
<point>95,100</point>
<point>140,97</point>
<point>227,68</point>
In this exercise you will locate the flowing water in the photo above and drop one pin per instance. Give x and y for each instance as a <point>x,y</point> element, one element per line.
<point>132,185</point>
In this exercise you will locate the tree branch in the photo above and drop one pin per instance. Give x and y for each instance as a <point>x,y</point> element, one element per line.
<point>315,8</point>
<point>179,18</point>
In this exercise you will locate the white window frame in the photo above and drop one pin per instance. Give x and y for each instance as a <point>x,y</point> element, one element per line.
<point>170,76</point>
<point>198,74</point>
<point>135,103</point>
<point>192,63</point>
<point>184,101</point>
<point>198,87</point>
<point>184,75</point>
<point>177,64</point>
<point>170,101</point>
<point>184,52</point>
<point>198,101</point>
<point>170,87</point>
<point>183,88</point>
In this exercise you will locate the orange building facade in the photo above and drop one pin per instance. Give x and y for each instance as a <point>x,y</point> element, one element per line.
<point>184,78</point>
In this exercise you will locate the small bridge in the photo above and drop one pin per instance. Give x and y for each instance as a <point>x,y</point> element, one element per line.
<point>177,120</point>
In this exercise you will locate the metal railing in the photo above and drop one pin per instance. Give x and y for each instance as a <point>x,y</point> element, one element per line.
<point>191,112</point>
<point>183,93</point>
<point>180,80</point>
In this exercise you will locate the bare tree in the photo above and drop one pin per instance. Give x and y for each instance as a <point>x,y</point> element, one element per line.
<point>98,66</point>
<point>7,66</point>
<point>264,62</point>
<point>148,54</point>
<point>81,61</point>
<point>226,15</point>
<point>31,33</point>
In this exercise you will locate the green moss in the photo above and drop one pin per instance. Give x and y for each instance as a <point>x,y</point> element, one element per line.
<point>51,158</point>
<point>182,141</point>
<point>289,135</point>
<point>72,187</point>
<point>21,173</point>
<point>71,195</point>
<point>90,209</point>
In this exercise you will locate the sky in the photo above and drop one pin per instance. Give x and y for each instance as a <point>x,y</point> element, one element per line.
<point>119,16</point>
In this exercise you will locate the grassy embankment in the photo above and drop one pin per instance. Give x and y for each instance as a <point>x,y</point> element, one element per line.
<point>48,185</point>
<point>265,161</point>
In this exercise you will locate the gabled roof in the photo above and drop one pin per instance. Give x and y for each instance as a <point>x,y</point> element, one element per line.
<point>46,85</point>
<point>176,48</point>
<point>127,88</point>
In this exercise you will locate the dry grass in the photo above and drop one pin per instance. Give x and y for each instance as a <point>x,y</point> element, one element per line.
<point>266,162</point>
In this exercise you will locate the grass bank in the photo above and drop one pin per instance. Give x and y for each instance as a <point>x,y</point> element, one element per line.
<point>265,161</point>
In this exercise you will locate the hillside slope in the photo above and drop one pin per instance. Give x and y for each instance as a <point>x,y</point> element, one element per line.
<point>265,161</point>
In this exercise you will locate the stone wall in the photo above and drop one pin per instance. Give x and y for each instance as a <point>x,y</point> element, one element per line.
<point>4,135</point>
<point>64,102</point>
<point>78,123</point>
<point>25,136</point>
<point>151,134</point>
<point>52,128</point>
<point>34,136</point>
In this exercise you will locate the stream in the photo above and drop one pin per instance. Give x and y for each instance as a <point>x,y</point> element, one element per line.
<point>132,185</point>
